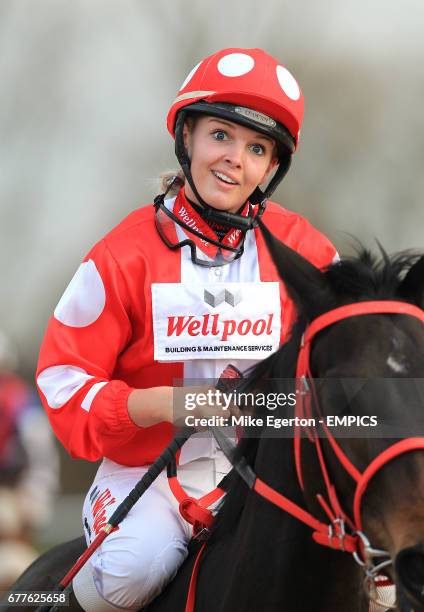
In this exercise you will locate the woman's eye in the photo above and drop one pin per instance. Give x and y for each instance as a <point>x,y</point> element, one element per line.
<point>258,149</point>
<point>219,135</point>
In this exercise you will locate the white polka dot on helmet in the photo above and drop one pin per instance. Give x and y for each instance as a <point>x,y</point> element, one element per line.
<point>250,78</point>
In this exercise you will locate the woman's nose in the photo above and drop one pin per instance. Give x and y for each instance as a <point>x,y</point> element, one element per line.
<point>234,155</point>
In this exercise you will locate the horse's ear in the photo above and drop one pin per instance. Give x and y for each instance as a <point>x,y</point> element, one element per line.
<point>306,284</point>
<point>412,286</point>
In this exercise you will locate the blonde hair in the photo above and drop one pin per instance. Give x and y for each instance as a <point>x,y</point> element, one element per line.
<point>167,176</point>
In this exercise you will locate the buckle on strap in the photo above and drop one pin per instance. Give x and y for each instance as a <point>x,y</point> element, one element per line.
<point>336,537</point>
<point>201,518</point>
<point>337,529</point>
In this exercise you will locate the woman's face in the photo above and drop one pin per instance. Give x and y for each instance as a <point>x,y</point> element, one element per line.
<point>228,161</point>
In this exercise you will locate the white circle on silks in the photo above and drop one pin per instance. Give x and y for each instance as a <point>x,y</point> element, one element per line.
<point>84,298</point>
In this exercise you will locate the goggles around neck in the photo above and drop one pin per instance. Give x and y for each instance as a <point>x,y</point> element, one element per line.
<point>180,225</point>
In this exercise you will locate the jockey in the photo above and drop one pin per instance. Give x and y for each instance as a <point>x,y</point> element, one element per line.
<point>176,291</point>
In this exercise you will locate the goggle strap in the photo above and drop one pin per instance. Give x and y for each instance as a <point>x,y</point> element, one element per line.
<point>170,214</point>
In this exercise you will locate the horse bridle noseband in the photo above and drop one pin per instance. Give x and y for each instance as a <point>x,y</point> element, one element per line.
<point>334,534</point>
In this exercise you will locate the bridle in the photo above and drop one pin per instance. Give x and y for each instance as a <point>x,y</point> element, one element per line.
<point>341,532</point>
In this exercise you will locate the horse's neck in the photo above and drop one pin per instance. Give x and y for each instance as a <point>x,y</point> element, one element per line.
<point>272,558</point>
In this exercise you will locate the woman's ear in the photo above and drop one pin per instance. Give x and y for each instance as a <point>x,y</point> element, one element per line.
<point>186,135</point>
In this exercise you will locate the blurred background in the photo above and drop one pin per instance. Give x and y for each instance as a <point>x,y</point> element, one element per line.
<point>85,88</point>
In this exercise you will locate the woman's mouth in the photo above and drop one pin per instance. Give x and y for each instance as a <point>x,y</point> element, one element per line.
<point>224,178</point>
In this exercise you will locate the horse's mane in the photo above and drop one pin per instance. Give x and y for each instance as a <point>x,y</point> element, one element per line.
<point>365,276</point>
<point>351,279</point>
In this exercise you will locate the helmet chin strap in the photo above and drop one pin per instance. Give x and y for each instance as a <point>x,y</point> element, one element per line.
<point>209,213</point>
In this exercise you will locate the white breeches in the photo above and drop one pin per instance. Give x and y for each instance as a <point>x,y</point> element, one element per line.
<point>134,563</point>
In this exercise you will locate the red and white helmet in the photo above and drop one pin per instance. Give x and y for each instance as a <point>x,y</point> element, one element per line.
<point>245,86</point>
<point>250,79</point>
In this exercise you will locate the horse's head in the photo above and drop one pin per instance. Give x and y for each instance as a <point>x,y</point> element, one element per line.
<point>371,364</point>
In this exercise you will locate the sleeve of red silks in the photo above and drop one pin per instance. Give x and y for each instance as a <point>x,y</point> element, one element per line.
<point>299,234</point>
<point>89,328</point>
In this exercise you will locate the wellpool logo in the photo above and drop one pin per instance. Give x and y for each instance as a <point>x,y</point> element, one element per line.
<point>193,320</point>
<point>213,325</point>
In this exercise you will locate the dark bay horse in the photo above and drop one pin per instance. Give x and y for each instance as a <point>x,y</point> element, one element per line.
<point>258,557</point>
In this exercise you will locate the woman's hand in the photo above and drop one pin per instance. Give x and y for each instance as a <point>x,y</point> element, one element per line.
<point>205,405</point>
<point>147,407</point>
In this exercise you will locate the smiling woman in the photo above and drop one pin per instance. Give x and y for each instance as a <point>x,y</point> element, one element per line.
<point>183,288</point>
<point>228,161</point>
